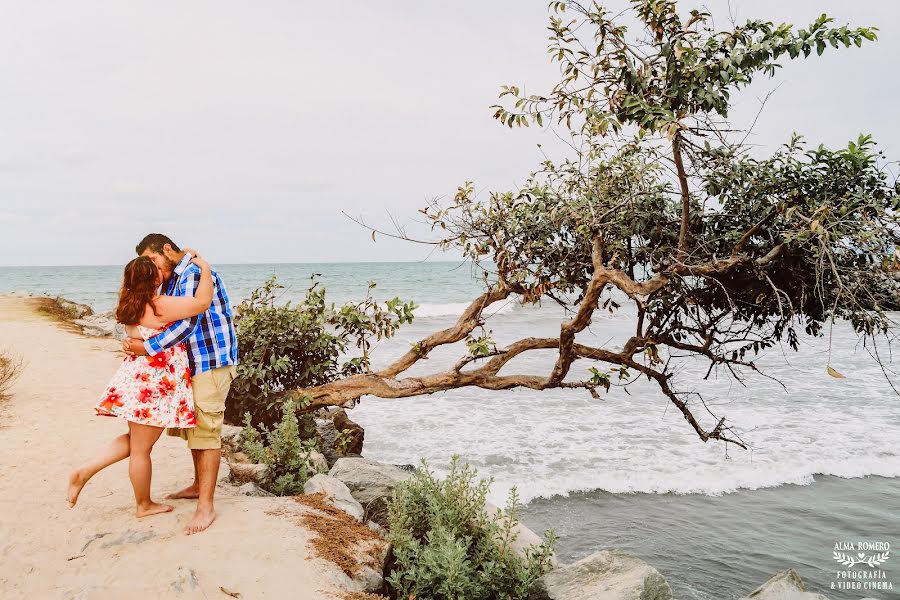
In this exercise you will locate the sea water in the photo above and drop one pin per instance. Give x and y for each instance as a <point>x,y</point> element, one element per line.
<point>626,471</point>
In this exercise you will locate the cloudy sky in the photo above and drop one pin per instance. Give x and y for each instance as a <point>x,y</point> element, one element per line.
<point>246,129</point>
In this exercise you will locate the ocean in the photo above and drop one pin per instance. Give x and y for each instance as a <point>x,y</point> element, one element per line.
<point>626,471</point>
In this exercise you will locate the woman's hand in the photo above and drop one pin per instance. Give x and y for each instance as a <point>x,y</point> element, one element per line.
<point>191,251</point>
<point>200,262</point>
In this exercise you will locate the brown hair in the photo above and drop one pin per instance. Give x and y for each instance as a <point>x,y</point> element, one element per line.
<point>138,290</point>
<point>155,242</point>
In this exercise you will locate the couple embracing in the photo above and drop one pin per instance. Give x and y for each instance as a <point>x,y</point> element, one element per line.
<point>181,357</point>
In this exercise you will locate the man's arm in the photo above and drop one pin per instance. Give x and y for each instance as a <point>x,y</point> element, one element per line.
<point>178,331</point>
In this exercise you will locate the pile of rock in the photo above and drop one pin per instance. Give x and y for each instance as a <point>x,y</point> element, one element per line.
<point>83,316</point>
<point>103,325</point>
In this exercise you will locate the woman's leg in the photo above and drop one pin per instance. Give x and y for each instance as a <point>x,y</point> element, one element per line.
<point>117,450</point>
<point>140,469</point>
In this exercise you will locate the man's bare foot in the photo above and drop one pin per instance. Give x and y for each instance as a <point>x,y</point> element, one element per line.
<point>200,521</point>
<point>76,484</point>
<point>152,508</point>
<point>191,492</point>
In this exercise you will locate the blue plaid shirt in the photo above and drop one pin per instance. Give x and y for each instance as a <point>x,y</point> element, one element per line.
<point>210,338</point>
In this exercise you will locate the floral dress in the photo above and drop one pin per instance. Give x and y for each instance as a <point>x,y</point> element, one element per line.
<point>152,390</point>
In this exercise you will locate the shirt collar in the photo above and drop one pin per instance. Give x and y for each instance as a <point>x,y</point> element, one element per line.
<point>179,269</point>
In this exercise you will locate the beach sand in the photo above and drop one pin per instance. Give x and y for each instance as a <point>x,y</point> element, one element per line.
<point>98,549</point>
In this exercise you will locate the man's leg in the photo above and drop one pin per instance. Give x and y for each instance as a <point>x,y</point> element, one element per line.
<point>192,491</point>
<point>205,441</point>
<point>208,472</point>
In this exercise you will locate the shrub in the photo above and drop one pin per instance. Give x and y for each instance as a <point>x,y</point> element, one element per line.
<point>10,368</point>
<point>447,547</point>
<point>281,449</point>
<point>289,346</point>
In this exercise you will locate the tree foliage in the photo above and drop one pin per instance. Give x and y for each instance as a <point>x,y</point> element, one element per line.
<point>722,252</point>
<point>284,346</point>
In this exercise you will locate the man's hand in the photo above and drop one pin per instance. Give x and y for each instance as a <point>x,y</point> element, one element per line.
<point>133,347</point>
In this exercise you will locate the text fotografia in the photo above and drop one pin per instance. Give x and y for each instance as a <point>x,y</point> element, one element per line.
<point>862,562</point>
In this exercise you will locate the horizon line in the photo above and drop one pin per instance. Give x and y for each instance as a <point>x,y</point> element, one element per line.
<point>227,264</point>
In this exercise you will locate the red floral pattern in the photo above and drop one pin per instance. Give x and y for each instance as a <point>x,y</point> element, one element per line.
<point>146,389</point>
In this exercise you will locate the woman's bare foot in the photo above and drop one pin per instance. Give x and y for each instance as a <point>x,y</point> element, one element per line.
<point>201,520</point>
<point>76,484</point>
<point>152,508</point>
<point>191,492</point>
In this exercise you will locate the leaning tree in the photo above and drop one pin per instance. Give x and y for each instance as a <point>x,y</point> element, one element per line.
<point>723,253</point>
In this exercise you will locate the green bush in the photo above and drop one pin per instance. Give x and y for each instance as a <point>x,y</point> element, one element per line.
<point>281,449</point>
<point>446,546</point>
<point>289,346</point>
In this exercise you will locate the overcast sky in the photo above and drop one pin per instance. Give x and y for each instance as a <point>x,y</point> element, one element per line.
<point>245,129</point>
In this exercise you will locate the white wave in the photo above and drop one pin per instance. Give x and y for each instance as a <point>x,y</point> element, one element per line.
<point>559,442</point>
<point>708,482</point>
<point>455,309</point>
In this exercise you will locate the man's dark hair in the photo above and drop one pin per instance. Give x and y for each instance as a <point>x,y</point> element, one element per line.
<point>155,241</point>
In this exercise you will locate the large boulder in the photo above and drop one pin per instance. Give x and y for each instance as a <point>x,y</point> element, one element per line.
<point>785,585</point>
<point>336,494</point>
<point>371,483</point>
<point>604,575</point>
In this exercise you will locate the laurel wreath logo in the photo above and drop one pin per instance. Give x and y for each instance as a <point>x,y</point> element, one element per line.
<point>861,558</point>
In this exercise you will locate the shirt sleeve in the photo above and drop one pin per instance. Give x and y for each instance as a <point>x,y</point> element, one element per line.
<point>178,331</point>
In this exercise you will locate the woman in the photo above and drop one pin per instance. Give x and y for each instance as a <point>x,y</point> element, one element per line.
<point>149,392</point>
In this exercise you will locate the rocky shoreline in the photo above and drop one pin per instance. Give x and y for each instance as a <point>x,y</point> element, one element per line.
<point>361,487</point>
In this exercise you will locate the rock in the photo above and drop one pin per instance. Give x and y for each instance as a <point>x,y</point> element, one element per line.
<point>336,494</point>
<point>224,473</point>
<point>371,483</point>
<point>377,528</point>
<point>604,575</point>
<point>343,424</point>
<point>100,326</point>
<point>523,537</point>
<point>251,489</point>
<point>73,309</point>
<point>231,436</point>
<point>785,585</point>
<point>328,427</point>
<point>240,457</point>
<point>319,462</point>
<point>371,557</point>
<point>327,436</point>
<point>254,472</point>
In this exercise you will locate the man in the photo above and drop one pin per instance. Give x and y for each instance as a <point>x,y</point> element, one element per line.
<point>212,352</point>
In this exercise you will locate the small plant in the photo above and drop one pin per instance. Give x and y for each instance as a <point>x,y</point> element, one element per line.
<point>448,547</point>
<point>10,369</point>
<point>343,440</point>
<point>288,458</point>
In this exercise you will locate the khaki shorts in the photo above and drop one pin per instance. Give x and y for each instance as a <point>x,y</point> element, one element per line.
<point>210,391</point>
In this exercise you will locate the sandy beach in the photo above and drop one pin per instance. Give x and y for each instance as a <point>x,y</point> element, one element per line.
<point>98,549</point>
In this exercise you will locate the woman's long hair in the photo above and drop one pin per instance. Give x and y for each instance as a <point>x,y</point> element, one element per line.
<point>138,290</point>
